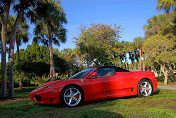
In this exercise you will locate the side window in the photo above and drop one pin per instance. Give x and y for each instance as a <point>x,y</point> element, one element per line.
<point>105,72</point>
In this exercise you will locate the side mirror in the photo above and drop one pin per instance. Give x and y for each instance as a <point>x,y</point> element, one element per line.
<point>92,75</point>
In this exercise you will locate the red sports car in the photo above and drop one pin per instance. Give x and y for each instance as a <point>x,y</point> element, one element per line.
<point>94,84</point>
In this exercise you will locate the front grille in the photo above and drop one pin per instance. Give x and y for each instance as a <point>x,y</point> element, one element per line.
<point>38,98</point>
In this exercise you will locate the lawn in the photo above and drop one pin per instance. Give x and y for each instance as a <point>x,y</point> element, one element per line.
<point>161,104</point>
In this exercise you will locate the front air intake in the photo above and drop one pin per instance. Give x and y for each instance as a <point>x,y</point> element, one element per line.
<point>38,98</point>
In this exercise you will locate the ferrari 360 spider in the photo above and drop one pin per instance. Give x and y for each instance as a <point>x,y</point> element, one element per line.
<point>95,84</point>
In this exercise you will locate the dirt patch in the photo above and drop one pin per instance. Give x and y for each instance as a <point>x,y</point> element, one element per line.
<point>13,100</point>
<point>170,104</point>
<point>171,87</point>
<point>174,83</point>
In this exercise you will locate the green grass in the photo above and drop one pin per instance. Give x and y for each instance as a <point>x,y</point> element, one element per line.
<point>23,93</point>
<point>161,104</point>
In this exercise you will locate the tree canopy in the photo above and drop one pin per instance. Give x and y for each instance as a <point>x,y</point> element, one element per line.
<point>97,43</point>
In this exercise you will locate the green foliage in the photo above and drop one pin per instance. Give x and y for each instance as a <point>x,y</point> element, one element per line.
<point>36,58</point>
<point>35,64</point>
<point>48,15</point>
<point>138,41</point>
<point>159,48</point>
<point>162,24</point>
<point>97,43</point>
<point>166,5</point>
<point>67,61</point>
<point>22,31</point>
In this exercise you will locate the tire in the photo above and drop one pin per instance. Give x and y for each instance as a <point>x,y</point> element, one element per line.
<point>71,96</point>
<point>145,88</point>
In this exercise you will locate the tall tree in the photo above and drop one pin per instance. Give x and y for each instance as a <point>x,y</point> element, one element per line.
<point>5,15</point>
<point>21,7</point>
<point>97,43</point>
<point>21,37</point>
<point>166,5</point>
<point>138,41</point>
<point>162,26</point>
<point>49,18</point>
<point>124,50</point>
<point>161,49</point>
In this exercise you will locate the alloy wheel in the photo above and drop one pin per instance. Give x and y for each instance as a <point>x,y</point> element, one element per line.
<point>72,96</point>
<point>145,88</point>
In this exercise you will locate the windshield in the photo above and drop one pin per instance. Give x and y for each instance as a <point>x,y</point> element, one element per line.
<point>82,73</point>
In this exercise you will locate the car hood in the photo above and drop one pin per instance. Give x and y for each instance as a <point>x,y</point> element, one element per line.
<point>50,83</point>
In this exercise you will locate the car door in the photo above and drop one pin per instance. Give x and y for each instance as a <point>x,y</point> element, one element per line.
<point>99,87</point>
<point>122,84</point>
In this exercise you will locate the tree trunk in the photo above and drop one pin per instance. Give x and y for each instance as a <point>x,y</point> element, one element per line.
<point>140,59</point>
<point>11,54</point>
<point>171,72</point>
<point>165,71</point>
<point>166,77</point>
<point>134,67</point>
<point>144,64</point>
<point>3,53</point>
<point>19,67</point>
<point>126,65</point>
<point>89,60</point>
<point>52,70</point>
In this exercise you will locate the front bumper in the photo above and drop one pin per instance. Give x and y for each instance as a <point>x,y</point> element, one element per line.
<point>45,96</point>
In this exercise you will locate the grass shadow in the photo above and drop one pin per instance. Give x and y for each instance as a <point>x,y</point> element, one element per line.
<point>107,100</point>
<point>156,92</point>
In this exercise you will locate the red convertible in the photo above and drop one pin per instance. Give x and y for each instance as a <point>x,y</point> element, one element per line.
<point>95,84</point>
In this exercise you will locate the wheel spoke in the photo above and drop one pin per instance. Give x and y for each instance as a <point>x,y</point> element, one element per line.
<point>145,84</point>
<point>70,100</point>
<point>145,92</point>
<point>74,98</point>
<point>76,93</point>
<point>67,96</point>
<point>71,92</point>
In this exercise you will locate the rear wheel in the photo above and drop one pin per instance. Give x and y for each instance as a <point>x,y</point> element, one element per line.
<point>71,96</point>
<point>145,88</point>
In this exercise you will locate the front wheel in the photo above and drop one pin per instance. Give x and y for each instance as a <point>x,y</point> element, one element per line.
<point>145,88</point>
<point>71,96</point>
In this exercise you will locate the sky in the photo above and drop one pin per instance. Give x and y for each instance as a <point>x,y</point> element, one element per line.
<point>132,15</point>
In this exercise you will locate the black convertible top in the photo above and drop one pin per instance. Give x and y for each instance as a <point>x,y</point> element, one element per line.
<point>118,69</point>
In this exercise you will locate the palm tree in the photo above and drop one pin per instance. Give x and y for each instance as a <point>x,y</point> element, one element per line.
<point>49,17</point>
<point>21,7</point>
<point>21,37</point>
<point>5,14</point>
<point>125,49</point>
<point>138,41</point>
<point>120,53</point>
<point>166,5</point>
